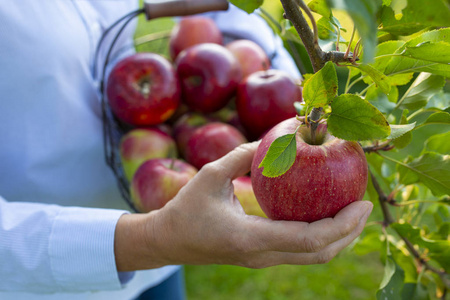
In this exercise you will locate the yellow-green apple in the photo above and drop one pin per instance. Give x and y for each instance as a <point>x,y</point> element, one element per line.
<point>212,141</point>
<point>193,30</point>
<point>250,55</point>
<point>142,144</point>
<point>326,176</point>
<point>243,190</point>
<point>209,75</point>
<point>143,89</point>
<point>157,181</point>
<point>185,126</point>
<point>264,99</point>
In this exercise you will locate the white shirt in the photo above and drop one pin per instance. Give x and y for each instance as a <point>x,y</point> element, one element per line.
<point>59,202</point>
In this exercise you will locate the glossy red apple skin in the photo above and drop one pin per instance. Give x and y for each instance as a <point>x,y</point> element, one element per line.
<point>264,99</point>
<point>157,181</point>
<point>185,126</point>
<point>212,141</point>
<point>323,180</point>
<point>243,191</point>
<point>209,75</point>
<point>191,31</point>
<point>143,89</point>
<point>250,55</point>
<point>141,144</point>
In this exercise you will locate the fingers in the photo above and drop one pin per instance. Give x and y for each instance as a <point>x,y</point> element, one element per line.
<point>273,258</point>
<point>289,236</point>
<point>236,163</point>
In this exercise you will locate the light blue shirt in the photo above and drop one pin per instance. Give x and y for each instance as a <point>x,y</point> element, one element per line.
<point>59,202</point>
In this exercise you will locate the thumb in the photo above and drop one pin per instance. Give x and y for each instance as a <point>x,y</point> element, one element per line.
<point>237,162</point>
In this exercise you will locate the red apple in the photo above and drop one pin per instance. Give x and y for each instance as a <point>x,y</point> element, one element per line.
<point>142,144</point>
<point>211,142</point>
<point>185,126</point>
<point>157,181</point>
<point>250,55</point>
<point>264,99</point>
<point>325,177</point>
<point>209,75</point>
<point>143,89</point>
<point>191,31</point>
<point>243,191</point>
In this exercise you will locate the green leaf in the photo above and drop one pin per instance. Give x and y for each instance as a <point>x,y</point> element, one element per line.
<point>404,64</point>
<point>321,88</point>
<point>326,30</point>
<point>404,138</point>
<point>353,118</point>
<point>320,7</point>
<point>247,5</point>
<point>384,103</point>
<point>422,89</point>
<point>363,14</point>
<point>379,78</point>
<point>432,169</point>
<point>383,50</point>
<point>280,156</point>
<point>414,291</point>
<point>399,130</point>
<point>439,143</point>
<point>415,17</point>
<point>434,52</point>
<point>441,118</point>
<point>392,282</point>
<point>414,235</point>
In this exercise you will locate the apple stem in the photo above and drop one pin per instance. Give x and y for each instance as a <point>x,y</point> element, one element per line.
<point>172,163</point>
<point>314,118</point>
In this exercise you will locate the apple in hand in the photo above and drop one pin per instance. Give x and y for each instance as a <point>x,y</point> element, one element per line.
<point>142,144</point>
<point>264,99</point>
<point>212,141</point>
<point>250,55</point>
<point>157,181</point>
<point>209,75</point>
<point>193,30</point>
<point>326,176</point>
<point>243,190</point>
<point>185,126</point>
<point>143,89</point>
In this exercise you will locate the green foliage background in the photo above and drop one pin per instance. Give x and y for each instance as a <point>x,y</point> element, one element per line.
<point>404,98</point>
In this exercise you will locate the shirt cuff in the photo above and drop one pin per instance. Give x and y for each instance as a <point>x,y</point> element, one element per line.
<point>81,249</point>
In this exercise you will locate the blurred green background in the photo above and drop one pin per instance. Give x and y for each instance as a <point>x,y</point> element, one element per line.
<point>347,276</point>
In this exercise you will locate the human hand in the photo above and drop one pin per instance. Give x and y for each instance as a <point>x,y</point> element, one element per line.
<point>205,224</point>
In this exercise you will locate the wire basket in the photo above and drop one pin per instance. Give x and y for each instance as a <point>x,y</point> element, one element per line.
<point>113,128</point>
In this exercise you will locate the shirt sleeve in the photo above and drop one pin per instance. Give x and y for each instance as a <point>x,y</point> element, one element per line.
<point>49,248</point>
<point>237,24</point>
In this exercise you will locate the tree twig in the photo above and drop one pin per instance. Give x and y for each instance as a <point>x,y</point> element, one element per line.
<point>317,56</point>
<point>388,220</point>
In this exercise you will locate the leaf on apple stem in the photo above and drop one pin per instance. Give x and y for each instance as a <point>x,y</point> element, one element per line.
<point>381,80</point>
<point>321,88</point>
<point>248,6</point>
<point>355,119</point>
<point>280,156</point>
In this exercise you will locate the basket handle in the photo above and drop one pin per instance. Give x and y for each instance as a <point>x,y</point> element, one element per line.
<point>169,8</point>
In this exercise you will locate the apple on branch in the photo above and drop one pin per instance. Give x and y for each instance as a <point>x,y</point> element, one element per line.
<point>157,181</point>
<point>143,89</point>
<point>264,99</point>
<point>326,175</point>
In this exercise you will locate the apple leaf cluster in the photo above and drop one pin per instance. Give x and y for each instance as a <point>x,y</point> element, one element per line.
<point>391,94</point>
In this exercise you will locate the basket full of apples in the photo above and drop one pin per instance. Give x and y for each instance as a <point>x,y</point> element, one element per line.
<point>166,117</point>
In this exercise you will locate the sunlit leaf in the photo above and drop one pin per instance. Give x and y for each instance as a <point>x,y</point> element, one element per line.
<point>280,156</point>
<point>247,5</point>
<point>423,88</point>
<point>321,88</point>
<point>353,118</point>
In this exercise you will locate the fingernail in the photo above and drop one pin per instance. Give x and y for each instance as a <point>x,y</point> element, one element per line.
<point>367,209</point>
